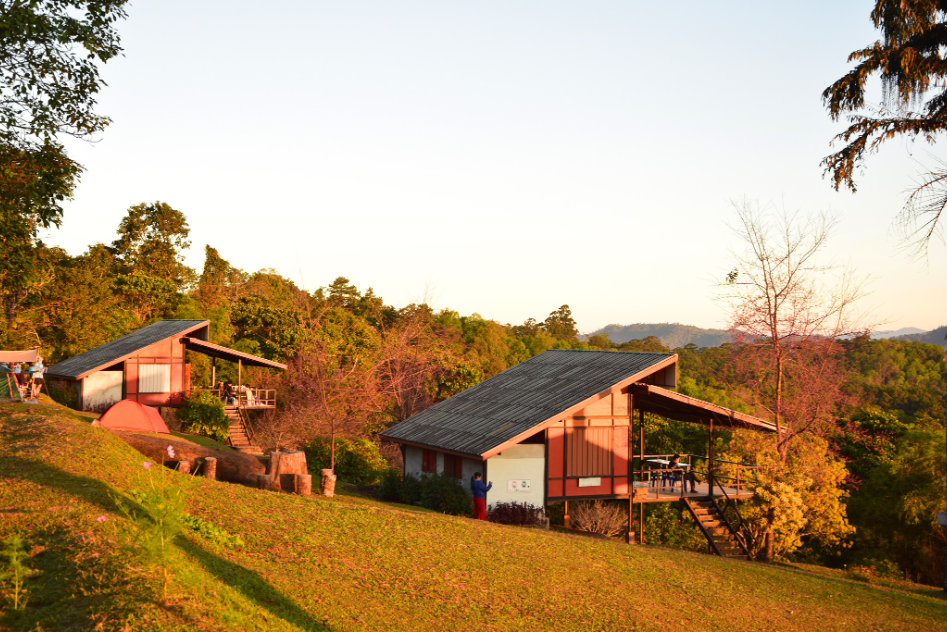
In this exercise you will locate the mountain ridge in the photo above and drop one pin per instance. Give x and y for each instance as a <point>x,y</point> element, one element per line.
<point>673,335</point>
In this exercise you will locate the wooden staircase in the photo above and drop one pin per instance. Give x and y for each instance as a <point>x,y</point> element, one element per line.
<point>720,534</point>
<point>239,432</point>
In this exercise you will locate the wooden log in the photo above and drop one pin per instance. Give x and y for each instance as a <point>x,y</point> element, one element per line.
<point>304,484</point>
<point>210,467</point>
<point>184,466</point>
<point>232,466</point>
<point>328,483</point>
<point>265,481</point>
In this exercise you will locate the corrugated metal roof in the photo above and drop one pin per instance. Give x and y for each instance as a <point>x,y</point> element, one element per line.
<point>512,402</point>
<point>83,364</point>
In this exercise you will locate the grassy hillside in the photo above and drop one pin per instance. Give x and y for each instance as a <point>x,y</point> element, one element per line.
<point>673,335</point>
<point>349,563</point>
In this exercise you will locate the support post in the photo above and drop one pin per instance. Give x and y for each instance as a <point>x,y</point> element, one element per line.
<point>710,462</point>
<point>566,522</point>
<point>630,537</point>
<point>641,467</point>
<point>640,523</point>
<point>239,378</point>
<point>213,372</point>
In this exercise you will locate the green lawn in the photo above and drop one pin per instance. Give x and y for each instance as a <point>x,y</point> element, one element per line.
<point>350,563</point>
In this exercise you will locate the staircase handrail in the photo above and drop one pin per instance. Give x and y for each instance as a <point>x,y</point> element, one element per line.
<point>729,501</point>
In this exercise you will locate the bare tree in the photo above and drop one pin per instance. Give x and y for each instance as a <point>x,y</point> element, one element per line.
<point>788,312</point>
<point>329,394</point>
<point>789,309</point>
<point>415,362</point>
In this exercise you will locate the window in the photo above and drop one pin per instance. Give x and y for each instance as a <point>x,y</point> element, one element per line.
<point>428,460</point>
<point>154,378</point>
<point>589,451</point>
<point>454,465</point>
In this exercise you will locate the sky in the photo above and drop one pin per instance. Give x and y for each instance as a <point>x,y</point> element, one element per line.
<point>495,157</point>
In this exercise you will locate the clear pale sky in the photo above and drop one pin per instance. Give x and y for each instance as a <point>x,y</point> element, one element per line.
<point>503,158</point>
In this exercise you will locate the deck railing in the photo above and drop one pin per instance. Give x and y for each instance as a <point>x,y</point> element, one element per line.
<point>654,479</point>
<point>247,398</point>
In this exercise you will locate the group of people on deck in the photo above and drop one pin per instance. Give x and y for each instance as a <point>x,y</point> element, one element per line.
<point>230,395</point>
<point>29,376</point>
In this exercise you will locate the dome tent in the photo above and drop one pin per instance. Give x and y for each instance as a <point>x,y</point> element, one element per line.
<point>130,415</point>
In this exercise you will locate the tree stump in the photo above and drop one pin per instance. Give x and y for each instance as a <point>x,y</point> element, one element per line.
<point>328,483</point>
<point>210,468</point>
<point>265,481</point>
<point>184,466</point>
<point>304,484</point>
<point>285,466</point>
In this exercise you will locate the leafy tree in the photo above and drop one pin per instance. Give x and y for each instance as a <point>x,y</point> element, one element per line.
<point>219,281</point>
<point>600,341</point>
<point>50,51</point>
<point>897,508</point>
<point>149,252</point>
<point>560,324</point>
<point>652,344</point>
<point>908,59</point>
<point>33,183</point>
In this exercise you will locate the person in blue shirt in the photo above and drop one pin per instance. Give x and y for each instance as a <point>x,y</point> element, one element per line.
<point>479,496</point>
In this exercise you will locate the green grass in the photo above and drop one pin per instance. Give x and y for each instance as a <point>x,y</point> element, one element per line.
<point>350,563</point>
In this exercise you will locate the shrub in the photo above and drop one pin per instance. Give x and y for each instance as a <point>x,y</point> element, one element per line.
<point>516,513</point>
<point>391,487</point>
<point>357,461</point>
<point>446,494</point>
<point>440,492</point>
<point>609,519</point>
<point>203,413</point>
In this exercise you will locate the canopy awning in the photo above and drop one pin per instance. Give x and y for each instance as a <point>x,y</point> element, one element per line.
<point>661,401</point>
<point>15,357</point>
<point>231,355</point>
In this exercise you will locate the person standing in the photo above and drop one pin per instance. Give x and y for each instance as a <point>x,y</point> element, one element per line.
<point>36,374</point>
<point>479,496</point>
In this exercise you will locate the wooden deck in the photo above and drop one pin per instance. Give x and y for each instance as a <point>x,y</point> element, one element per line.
<point>645,493</point>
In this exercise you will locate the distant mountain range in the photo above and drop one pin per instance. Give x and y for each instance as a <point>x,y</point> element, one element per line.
<point>934,336</point>
<point>673,335</point>
<point>676,335</point>
<point>897,333</point>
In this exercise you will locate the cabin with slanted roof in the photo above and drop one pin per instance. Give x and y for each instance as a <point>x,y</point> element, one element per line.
<point>568,425</point>
<point>150,366</point>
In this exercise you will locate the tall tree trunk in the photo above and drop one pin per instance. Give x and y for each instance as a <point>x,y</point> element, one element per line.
<point>332,453</point>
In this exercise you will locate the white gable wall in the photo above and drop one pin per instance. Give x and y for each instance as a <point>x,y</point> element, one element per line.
<point>526,461</point>
<point>101,389</point>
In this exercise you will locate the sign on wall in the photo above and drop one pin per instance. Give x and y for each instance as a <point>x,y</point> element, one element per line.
<point>518,485</point>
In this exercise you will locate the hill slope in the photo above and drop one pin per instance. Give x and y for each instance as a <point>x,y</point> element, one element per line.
<point>349,563</point>
<point>673,335</point>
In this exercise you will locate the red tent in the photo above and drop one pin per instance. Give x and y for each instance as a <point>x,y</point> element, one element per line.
<point>130,415</point>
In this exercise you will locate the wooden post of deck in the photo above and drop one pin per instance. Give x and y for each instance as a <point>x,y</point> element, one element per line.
<point>641,468</point>
<point>710,461</point>
<point>213,372</point>
<point>239,378</point>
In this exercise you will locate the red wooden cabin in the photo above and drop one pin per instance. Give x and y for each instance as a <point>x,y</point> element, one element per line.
<point>568,425</point>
